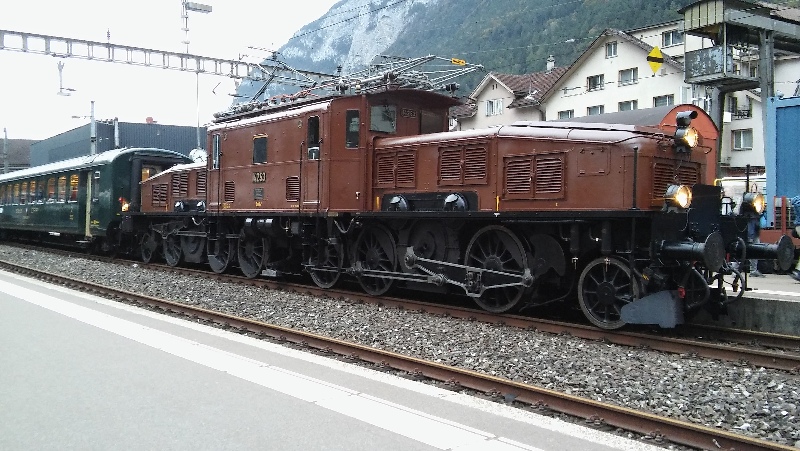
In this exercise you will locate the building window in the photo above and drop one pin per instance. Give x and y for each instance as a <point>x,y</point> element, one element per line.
<point>566,114</point>
<point>259,149</point>
<point>664,100</point>
<point>594,83</point>
<point>494,107</point>
<point>743,139</point>
<point>670,38</point>
<point>611,49</point>
<point>629,76</point>
<point>629,105</point>
<point>594,110</point>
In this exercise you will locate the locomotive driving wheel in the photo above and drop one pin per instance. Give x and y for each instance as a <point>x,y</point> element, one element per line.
<point>605,286</point>
<point>148,247</point>
<point>221,250</point>
<point>498,249</point>
<point>253,255</point>
<point>375,250</point>
<point>173,254</point>
<point>325,262</point>
<point>193,247</point>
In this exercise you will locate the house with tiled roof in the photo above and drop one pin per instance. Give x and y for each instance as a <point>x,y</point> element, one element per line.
<point>505,98</point>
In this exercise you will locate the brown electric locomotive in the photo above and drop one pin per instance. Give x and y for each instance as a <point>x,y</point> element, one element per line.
<point>621,219</point>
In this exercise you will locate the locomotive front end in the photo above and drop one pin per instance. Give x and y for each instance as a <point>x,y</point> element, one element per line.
<point>694,243</point>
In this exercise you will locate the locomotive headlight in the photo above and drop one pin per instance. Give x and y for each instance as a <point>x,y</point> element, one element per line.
<point>754,203</point>
<point>688,136</point>
<point>679,196</point>
<point>126,206</point>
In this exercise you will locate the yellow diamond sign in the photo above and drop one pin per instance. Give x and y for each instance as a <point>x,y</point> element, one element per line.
<point>655,59</point>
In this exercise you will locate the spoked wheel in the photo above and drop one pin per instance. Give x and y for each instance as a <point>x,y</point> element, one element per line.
<point>253,255</point>
<point>173,254</point>
<point>375,250</point>
<point>148,246</point>
<point>498,249</point>
<point>605,286</point>
<point>220,250</point>
<point>325,263</point>
<point>193,248</point>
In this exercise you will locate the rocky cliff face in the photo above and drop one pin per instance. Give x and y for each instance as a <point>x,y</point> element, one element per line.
<point>350,35</point>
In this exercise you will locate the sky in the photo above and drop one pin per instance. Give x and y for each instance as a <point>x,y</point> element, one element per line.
<point>30,107</point>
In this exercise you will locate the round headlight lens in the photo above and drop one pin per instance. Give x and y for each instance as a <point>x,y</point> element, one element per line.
<point>679,195</point>
<point>690,137</point>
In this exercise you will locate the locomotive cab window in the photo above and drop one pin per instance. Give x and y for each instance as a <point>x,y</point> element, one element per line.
<point>383,118</point>
<point>215,152</point>
<point>353,126</point>
<point>259,149</point>
<point>431,122</point>
<point>313,138</point>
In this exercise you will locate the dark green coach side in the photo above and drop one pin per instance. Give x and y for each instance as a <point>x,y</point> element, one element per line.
<point>81,199</point>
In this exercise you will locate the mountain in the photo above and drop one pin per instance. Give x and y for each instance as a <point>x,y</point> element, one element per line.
<point>507,36</point>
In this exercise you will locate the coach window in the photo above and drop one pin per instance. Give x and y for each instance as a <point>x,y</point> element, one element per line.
<point>61,196</point>
<point>259,149</point>
<point>15,197</point>
<point>216,152</point>
<point>23,193</point>
<point>34,196</point>
<point>313,138</point>
<point>73,188</point>
<point>353,124</point>
<point>51,190</point>
<point>2,195</point>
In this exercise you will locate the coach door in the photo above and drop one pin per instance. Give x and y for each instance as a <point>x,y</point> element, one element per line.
<point>310,166</point>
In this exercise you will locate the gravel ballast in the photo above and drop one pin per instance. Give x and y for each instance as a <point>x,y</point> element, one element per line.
<point>738,397</point>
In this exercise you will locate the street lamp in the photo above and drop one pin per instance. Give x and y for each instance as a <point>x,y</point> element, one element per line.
<point>92,130</point>
<point>204,9</point>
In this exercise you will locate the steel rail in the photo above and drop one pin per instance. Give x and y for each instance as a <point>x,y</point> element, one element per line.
<point>779,360</point>
<point>676,431</point>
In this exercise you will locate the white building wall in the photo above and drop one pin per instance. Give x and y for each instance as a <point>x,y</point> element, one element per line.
<point>572,92</point>
<point>495,90</point>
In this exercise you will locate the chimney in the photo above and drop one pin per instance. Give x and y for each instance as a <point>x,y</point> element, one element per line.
<point>149,120</point>
<point>551,63</point>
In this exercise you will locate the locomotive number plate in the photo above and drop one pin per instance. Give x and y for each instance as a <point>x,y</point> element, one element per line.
<point>259,177</point>
<point>408,112</point>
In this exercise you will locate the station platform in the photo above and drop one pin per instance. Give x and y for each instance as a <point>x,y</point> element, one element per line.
<point>82,372</point>
<point>771,304</point>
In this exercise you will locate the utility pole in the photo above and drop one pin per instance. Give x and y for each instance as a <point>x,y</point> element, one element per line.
<point>200,8</point>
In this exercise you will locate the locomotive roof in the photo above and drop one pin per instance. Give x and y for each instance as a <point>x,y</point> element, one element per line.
<point>84,162</point>
<point>258,111</point>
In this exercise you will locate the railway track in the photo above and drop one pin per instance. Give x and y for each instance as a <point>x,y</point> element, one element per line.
<point>766,350</point>
<point>595,412</point>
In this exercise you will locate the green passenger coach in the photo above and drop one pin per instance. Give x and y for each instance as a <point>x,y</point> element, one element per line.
<point>80,200</point>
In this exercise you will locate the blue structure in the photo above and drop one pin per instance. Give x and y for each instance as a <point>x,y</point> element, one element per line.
<point>115,135</point>
<point>782,149</point>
